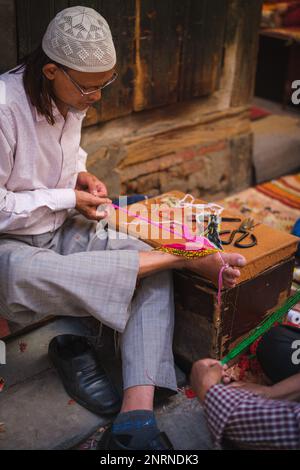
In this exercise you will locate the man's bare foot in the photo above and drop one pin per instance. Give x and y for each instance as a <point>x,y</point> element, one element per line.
<point>209,267</point>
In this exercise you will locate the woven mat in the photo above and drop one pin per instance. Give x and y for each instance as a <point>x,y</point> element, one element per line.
<point>276,203</point>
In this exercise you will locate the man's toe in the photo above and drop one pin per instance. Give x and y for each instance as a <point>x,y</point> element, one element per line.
<point>235,259</point>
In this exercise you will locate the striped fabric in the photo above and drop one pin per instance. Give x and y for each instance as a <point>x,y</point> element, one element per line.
<point>285,189</point>
<point>275,203</point>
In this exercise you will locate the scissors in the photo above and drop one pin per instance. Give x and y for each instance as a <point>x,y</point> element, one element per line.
<point>244,231</point>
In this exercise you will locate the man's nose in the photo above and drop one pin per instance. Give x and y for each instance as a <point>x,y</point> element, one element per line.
<point>96,96</point>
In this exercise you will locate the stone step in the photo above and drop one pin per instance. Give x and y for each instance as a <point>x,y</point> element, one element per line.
<point>184,423</point>
<point>35,410</point>
<point>181,418</point>
<point>37,414</point>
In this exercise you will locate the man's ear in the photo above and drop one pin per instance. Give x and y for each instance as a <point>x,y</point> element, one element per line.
<point>50,70</point>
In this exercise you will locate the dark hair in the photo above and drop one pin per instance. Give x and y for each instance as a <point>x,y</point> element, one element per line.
<point>37,86</point>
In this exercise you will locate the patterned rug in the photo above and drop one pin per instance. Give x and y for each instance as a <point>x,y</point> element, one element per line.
<point>276,203</point>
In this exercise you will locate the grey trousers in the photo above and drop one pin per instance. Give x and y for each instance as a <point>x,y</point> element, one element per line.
<point>81,270</point>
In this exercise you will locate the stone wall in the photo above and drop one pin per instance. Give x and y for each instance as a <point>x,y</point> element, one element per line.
<point>191,147</point>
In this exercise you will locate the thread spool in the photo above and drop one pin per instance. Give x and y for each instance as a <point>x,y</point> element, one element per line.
<point>294,317</point>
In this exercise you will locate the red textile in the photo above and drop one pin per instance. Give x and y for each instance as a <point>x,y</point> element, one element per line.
<point>292,16</point>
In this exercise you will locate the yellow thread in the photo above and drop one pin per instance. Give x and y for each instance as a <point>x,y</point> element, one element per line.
<point>186,253</point>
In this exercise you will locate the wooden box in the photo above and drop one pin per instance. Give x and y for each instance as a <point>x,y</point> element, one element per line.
<point>202,327</point>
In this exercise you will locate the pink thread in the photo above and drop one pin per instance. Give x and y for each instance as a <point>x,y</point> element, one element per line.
<point>188,237</point>
<point>186,232</point>
<point>155,224</point>
<point>220,280</point>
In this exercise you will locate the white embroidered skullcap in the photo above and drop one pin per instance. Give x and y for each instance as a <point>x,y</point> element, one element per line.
<point>80,38</point>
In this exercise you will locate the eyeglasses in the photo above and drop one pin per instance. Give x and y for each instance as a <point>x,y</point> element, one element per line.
<point>90,92</point>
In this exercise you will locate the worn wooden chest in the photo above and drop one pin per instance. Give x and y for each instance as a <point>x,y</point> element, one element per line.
<point>202,327</point>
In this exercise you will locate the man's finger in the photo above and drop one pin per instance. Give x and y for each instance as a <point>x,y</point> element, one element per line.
<point>93,214</point>
<point>101,188</point>
<point>97,188</point>
<point>97,201</point>
<point>226,380</point>
<point>209,362</point>
<point>101,213</point>
<point>99,193</point>
<point>92,188</point>
<point>237,384</point>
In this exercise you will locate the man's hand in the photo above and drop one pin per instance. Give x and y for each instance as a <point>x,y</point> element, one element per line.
<point>90,183</point>
<point>206,373</point>
<point>87,205</point>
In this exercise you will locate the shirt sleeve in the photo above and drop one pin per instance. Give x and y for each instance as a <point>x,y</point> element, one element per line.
<point>250,421</point>
<point>82,156</point>
<point>22,208</point>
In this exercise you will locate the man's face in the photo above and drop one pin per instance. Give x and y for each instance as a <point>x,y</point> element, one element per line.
<point>68,85</point>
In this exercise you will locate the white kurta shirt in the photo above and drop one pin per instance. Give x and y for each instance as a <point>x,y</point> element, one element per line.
<point>39,163</point>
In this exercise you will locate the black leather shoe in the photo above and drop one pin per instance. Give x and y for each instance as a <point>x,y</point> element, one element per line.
<point>83,377</point>
<point>110,442</point>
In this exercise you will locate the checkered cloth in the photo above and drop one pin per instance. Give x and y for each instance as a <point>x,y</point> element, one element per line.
<point>249,421</point>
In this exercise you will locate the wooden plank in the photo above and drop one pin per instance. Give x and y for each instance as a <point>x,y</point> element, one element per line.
<point>8,35</point>
<point>242,26</point>
<point>33,18</point>
<point>84,3</point>
<point>159,35</point>
<point>202,47</point>
<point>118,99</point>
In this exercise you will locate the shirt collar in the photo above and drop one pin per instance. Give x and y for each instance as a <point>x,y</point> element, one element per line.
<point>40,117</point>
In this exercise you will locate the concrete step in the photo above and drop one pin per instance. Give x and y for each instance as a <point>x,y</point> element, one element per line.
<point>35,410</point>
<point>276,142</point>
<point>183,420</point>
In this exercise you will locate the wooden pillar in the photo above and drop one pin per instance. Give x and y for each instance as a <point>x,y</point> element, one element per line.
<point>8,35</point>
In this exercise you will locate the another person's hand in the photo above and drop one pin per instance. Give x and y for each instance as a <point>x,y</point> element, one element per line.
<point>90,183</point>
<point>206,373</point>
<point>87,205</point>
<point>262,390</point>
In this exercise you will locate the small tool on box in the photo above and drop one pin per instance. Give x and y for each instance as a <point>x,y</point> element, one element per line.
<point>244,231</point>
<point>193,218</point>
